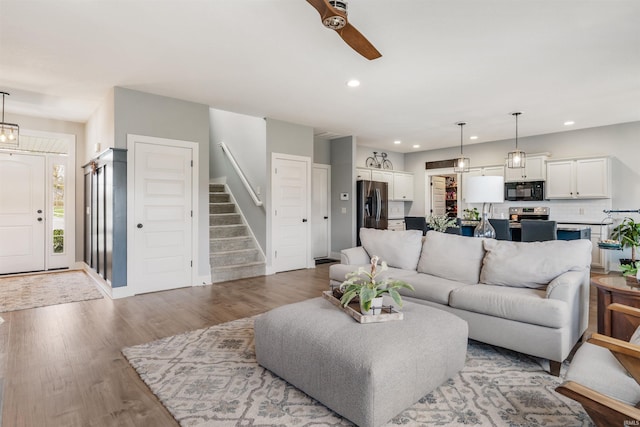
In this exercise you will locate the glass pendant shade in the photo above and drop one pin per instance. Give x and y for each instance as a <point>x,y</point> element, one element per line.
<point>9,132</point>
<point>462,163</point>
<point>516,158</point>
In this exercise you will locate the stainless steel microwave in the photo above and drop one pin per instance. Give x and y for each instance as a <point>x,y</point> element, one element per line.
<point>531,190</point>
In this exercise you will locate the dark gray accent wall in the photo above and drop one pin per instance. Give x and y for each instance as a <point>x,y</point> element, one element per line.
<point>343,180</point>
<point>146,114</point>
<point>246,137</point>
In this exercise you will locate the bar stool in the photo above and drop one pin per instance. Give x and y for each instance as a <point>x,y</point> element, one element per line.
<point>538,230</point>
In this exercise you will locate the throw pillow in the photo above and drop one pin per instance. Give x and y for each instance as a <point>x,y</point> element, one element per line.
<point>532,264</point>
<point>399,249</point>
<point>451,257</point>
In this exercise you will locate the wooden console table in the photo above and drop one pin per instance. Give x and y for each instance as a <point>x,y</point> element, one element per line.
<point>615,289</point>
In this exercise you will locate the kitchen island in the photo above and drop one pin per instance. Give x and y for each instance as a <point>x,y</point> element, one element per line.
<point>573,232</point>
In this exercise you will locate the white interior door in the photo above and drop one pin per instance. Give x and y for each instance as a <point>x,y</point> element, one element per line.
<point>291,205</point>
<point>320,211</point>
<point>22,213</point>
<point>438,195</point>
<point>162,244</point>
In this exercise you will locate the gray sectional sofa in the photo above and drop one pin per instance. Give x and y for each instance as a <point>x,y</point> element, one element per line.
<point>529,297</point>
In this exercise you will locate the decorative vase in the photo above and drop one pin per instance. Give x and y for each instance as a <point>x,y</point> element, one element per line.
<point>376,307</point>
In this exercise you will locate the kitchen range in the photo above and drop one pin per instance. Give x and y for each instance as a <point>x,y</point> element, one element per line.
<point>517,214</point>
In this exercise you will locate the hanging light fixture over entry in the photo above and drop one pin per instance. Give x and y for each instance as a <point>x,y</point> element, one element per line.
<point>517,159</point>
<point>462,163</point>
<point>9,132</point>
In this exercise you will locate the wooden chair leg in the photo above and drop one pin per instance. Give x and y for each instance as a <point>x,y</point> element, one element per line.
<point>554,368</point>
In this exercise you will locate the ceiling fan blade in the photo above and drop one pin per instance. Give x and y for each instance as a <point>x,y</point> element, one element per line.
<point>358,42</point>
<point>323,7</point>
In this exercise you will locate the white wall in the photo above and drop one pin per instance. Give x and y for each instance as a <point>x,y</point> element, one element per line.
<point>100,128</point>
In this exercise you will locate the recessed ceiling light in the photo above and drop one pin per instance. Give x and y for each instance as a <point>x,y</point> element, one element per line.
<point>353,83</point>
<point>397,141</point>
<point>569,123</point>
<point>416,146</point>
<point>473,137</point>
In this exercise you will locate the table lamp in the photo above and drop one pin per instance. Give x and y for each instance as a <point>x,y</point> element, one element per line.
<point>485,190</point>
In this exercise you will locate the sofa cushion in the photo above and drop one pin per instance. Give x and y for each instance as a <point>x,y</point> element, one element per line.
<point>452,257</point>
<point>338,272</point>
<point>520,304</point>
<point>430,288</point>
<point>532,264</point>
<point>400,249</point>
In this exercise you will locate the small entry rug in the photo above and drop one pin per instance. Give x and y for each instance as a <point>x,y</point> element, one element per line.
<point>210,377</point>
<point>39,290</point>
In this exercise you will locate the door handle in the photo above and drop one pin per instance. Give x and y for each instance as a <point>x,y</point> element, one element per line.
<point>326,217</point>
<point>39,211</point>
<point>39,219</point>
<point>304,219</point>
<point>139,225</point>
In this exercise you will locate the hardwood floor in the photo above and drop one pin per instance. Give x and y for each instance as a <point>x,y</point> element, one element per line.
<point>61,365</point>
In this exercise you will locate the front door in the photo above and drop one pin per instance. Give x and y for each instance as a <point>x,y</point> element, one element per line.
<point>290,233</point>
<point>162,217</point>
<point>22,218</point>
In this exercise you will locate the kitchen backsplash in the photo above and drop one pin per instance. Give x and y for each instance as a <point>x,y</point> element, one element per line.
<point>562,210</point>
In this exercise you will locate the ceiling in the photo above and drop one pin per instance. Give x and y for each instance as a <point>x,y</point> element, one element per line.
<point>443,62</point>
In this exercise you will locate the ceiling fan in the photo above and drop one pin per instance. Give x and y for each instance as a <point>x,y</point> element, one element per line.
<point>334,16</point>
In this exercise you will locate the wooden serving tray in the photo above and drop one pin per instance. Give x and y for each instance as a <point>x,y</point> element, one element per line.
<point>388,312</point>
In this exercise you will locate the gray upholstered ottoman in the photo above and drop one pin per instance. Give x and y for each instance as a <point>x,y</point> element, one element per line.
<point>368,373</point>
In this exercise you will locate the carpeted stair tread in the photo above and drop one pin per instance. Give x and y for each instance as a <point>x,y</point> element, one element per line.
<point>235,257</point>
<point>225,219</point>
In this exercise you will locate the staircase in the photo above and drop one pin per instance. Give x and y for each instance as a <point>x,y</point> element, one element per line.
<point>234,253</point>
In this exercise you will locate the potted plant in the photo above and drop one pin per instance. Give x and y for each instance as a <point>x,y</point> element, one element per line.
<point>628,234</point>
<point>472,214</point>
<point>364,285</point>
<point>442,222</point>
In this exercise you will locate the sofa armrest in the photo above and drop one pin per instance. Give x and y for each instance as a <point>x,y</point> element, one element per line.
<point>354,256</point>
<point>565,286</point>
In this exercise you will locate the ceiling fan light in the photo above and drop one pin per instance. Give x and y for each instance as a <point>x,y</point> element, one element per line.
<point>335,22</point>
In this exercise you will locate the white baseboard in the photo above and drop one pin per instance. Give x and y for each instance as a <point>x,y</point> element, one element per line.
<point>113,293</point>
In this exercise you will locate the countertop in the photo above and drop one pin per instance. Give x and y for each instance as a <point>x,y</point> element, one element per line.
<point>575,226</point>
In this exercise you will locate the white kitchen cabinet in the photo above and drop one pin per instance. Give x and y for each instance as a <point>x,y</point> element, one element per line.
<point>395,225</point>
<point>559,183</point>
<point>578,179</point>
<point>493,171</point>
<point>363,174</point>
<point>592,178</point>
<point>402,186</point>
<point>383,176</point>
<point>534,170</point>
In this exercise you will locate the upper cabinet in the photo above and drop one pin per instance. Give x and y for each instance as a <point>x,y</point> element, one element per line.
<point>534,170</point>
<point>579,179</point>
<point>399,184</point>
<point>363,174</point>
<point>402,186</point>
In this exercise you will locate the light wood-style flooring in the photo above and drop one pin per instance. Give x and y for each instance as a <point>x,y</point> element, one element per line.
<point>61,365</point>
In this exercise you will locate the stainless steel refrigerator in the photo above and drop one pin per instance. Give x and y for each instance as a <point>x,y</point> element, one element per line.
<point>372,209</point>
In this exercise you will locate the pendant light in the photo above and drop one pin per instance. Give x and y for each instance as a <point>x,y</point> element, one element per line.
<point>9,132</point>
<point>462,163</point>
<point>517,159</point>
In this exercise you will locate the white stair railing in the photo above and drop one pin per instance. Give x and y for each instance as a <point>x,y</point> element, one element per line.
<point>243,178</point>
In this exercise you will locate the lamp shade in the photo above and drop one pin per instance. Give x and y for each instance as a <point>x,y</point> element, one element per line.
<point>484,189</point>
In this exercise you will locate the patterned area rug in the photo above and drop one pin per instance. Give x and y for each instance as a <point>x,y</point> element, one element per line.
<point>39,290</point>
<point>210,377</point>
